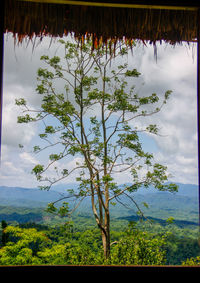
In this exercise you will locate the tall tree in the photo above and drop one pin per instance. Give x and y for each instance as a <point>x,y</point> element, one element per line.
<point>94,121</point>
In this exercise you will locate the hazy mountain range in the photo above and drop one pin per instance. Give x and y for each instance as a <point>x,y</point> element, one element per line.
<point>182,205</point>
<point>34,197</point>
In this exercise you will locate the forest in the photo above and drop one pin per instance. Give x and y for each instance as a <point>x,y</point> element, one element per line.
<point>77,241</point>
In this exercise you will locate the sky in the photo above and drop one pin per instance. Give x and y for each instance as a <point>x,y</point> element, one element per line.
<point>174,69</point>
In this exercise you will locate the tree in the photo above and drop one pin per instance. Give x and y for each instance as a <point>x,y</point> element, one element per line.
<point>94,122</point>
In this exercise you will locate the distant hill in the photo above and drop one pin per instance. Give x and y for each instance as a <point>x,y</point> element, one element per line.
<point>189,190</point>
<point>25,197</point>
<point>182,205</point>
<point>35,197</point>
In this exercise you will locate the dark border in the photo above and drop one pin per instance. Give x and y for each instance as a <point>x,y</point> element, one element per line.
<point>102,269</point>
<point>1,68</point>
<point>108,269</point>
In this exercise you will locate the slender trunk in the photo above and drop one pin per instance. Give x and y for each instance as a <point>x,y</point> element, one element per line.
<point>106,235</point>
<point>106,243</point>
<point>103,224</point>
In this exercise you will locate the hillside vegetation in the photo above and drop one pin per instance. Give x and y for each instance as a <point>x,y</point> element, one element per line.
<point>168,234</point>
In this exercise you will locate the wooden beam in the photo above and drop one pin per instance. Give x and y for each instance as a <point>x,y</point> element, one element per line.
<point>115,5</point>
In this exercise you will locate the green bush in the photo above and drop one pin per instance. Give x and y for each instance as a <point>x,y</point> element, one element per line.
<point>139,249</point>
<point>192,261</point>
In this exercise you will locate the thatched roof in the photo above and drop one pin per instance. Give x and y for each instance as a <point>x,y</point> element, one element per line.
<point>173,25</point>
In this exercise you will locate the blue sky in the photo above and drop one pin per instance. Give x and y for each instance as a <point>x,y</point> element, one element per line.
<point>148,143</point>
<point>175,69</point>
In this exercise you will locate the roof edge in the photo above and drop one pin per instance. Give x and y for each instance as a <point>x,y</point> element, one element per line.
<point>116,5</point>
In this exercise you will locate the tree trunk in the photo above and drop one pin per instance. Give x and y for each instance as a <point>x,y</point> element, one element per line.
<point>106,243</point>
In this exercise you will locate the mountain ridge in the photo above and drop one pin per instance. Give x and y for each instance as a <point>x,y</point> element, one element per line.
<point>20,196</point>
<point>183,205</point>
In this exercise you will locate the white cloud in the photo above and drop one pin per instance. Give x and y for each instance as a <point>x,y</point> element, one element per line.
<point>28,159</point>
<point>15,170</point>
<point>14,134</point>
<point>175,69</point>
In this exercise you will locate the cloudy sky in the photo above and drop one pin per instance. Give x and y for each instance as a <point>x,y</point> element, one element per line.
<point>175,69</point>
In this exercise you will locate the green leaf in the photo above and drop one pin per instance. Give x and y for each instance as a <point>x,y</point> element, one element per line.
<point>20,101</point>
<point>132,73</point>
<point>51,208</point>
<point>25,119</point>
<point>41,89</point>
<point>107,178</point>
<point>64,209</point>
<point>145,204</point>
<point>38,169</point>
<point>55,157</point>
<point>49,130</point>
<point>45,74</point>
<point>44,57</point>
<point>65,172</point>
<point>167,94</point>
<point>43,136</point>
<point>152,129</point>
<point>36,148</point>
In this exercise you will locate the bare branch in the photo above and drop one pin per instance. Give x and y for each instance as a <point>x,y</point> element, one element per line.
<point>126,189</point>
<point>115,128</point>
<point>135,203</point>
<point>76,206</point>
<point>51,145</point>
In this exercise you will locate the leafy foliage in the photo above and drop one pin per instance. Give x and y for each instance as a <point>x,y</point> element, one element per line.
<point>72,243</point>
<point>139,249</point>
<point>22,247</point>
<point>192,261</point>
<point>28,246</point>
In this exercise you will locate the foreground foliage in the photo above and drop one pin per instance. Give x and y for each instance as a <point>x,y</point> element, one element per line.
<point>33,244</point>
<point>22,246</point>
<point>192,261</point>
<point>29,246</point>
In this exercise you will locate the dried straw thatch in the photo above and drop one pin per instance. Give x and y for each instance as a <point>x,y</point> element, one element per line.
<point>27,19</point>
